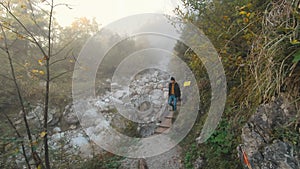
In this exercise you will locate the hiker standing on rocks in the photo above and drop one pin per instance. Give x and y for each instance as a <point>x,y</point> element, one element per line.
<point>174,93</point>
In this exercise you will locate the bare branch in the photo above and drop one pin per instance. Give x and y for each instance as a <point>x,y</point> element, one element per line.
<point>61,74</point>
<point>17,33</point>
<point>63,48</point>
<point>19,135</point>
<point>6,77</point>
<point>24,27</point>
<point>59,60</point>
<point>46,108</point>
<point>18,92</point>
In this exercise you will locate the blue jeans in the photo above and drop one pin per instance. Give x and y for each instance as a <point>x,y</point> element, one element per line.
<point>172,98</point>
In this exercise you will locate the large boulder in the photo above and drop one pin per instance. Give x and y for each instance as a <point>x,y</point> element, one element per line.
<point>263,151</point>
<point>69,115</point>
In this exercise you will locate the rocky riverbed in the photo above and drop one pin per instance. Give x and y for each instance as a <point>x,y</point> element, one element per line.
<point>145,97</point>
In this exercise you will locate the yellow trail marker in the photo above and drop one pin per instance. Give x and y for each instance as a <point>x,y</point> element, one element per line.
<point>187,83</point>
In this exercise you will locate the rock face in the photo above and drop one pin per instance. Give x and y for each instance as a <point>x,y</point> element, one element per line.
<point>69,115</point>
<point>37,114</point>
<point>147,93</point>
<point>263,151</point>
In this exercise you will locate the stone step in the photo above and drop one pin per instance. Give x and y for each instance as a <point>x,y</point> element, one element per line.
<point>160,130</point>
<point>170,115</point>
<point>167,123</point>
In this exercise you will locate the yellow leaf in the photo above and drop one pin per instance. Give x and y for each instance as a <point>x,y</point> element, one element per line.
<point>187,83</point>
<point>243,13</point>
<point>246,20</point>
<point>23,6</point>
<point>41,72</point>
<point>39,167</point>
<point>35,71</point>
<point>248,14</point>
<point>41,62</point>
<point>43,134</point>
<point>242,8</point>
<point>295,42</point>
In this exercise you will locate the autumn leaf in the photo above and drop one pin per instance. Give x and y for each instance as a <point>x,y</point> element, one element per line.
<point>33,143</point>
<point>20,36</point>
<point>41,62</point>
<point>43,134</point>
<point>242,8</point>
<point>295,42</point>
<point>41,72</point>
<point>225,17</point>
<point>35,71</point>
<point>248,14</point>
<point>243,13</point>
<point>23,6</point>
<point>246,20</point>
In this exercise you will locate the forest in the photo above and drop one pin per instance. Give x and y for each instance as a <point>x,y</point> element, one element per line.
<point>257,42</point>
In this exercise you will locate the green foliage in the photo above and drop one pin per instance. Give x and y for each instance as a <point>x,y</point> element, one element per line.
<point>287,134</point>
<point>190,156</point>
<point>222,139</point>
<point>106,163</point>
<point>258,64</point>
<point>296,57</point>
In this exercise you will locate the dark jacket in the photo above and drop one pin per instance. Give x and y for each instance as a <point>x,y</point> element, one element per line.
<point>176,89</point>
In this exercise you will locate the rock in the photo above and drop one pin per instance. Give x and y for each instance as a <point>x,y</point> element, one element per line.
<point>119,94</point>
<point>73,127</point>
<point>166,94</point>
<point>18,122</point>
<point>156,94</point>
<point>142,164</point>
<point>279,155</point>
<point>144,106</point>
<point>83,145</point>
<point>114,85</point>
<point>199,163</point>
<point>38,114</point>
<point>100,104</point>
<point>106,100</point>
<point>71,118</point>
<point>263,152</point>
<point>56,137</point>
<point>156,103</point>
<point>56,130</point>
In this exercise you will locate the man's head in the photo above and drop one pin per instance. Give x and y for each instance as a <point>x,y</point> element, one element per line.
<point>172,79</point>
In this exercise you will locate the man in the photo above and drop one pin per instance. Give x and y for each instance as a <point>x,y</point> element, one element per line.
<point>174,93</point>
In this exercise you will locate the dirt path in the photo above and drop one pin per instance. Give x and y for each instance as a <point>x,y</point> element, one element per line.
<point>167,160</point>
